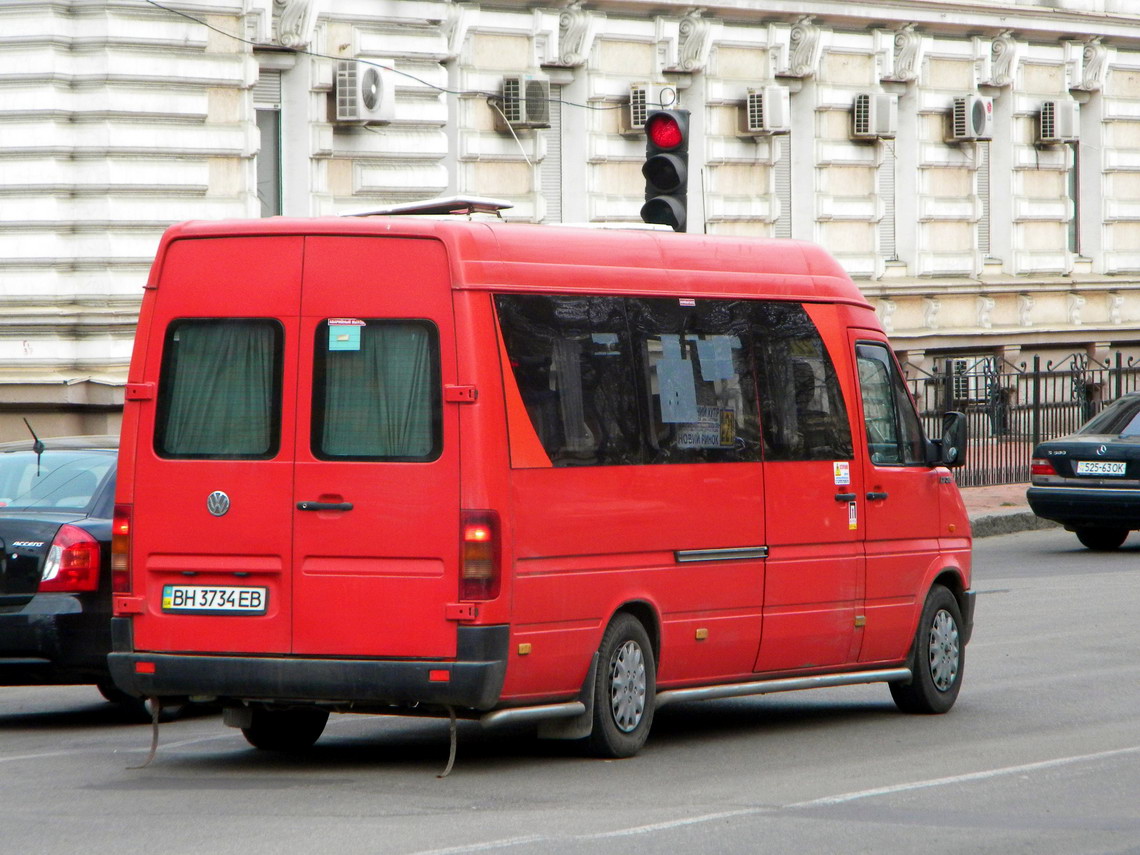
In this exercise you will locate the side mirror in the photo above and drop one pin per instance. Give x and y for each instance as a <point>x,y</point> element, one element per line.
<point>953,443</point>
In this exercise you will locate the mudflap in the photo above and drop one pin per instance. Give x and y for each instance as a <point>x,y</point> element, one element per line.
<point>579,726</point>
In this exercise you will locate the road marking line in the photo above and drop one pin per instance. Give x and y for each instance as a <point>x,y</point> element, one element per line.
<point>483,847</point>
<point>676,823</point>
<point>960,779</point>
<point>754,811</point>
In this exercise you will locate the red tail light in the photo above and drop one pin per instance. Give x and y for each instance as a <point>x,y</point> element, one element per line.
<point>72,563</point>
<point>479,571</point>
<point>121,550</point>
<point>1041,466</point>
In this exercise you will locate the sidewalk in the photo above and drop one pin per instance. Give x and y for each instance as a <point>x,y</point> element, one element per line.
<point>1000,510</point>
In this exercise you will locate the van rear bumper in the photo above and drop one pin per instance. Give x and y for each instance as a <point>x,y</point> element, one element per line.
<point>474,679</point>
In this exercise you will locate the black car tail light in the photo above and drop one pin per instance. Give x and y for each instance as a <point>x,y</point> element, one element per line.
<point>1042,466</point>
<point>72,562</point>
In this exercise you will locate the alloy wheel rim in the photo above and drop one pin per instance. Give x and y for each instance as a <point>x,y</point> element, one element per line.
<point>627,686</point>
<point>944,651</point>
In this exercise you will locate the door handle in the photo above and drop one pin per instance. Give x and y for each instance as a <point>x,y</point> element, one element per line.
<point>324,506</point>
<point>845,497</point>
<point>875,497</point>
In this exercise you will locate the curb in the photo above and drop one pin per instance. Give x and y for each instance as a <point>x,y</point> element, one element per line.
<point>1008,522</point>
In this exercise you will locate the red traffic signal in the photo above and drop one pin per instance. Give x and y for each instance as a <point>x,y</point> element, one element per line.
<point>666,168</point>
<point>663,129</point>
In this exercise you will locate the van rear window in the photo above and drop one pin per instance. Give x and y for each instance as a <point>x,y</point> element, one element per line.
<point>220,389</point>
<point>632,380</point>
<point>376,391</point>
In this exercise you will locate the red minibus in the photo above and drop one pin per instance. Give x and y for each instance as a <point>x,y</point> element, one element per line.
<point>522,473</point>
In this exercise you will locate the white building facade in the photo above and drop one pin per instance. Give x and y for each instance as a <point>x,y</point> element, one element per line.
<point>974,165</point>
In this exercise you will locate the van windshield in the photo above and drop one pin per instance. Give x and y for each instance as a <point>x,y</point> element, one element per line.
<point>64,480</point>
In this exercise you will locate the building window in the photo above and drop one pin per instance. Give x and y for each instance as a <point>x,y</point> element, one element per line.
<point>1073,188</point>
<point>550,172</point>
<point>267,106</point>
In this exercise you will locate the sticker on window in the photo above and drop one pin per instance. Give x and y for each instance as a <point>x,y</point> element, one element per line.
<point>344,333</point>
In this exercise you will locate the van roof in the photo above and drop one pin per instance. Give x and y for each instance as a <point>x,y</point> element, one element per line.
<point>516,256</point>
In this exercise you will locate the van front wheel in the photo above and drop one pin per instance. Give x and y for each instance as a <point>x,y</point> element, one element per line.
<point>624,690</point>
<point>938,658</point>
<point>291,730</point>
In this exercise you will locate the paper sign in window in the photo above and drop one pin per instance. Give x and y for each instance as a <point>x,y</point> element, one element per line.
<point>715,354</point>
<point>675,378</point>
<point>714,428</point>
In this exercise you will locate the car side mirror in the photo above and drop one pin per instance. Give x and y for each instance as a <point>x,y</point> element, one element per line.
<point>952,446</point>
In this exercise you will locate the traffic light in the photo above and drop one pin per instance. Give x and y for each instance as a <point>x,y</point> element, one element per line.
<point>666,168</point>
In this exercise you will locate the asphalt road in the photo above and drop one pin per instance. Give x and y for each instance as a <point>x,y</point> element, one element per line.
<point>1041,754</point>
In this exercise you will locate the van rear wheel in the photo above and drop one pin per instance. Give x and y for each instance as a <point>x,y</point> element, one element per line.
<point>290,730</point>
<point>939,656</point>
<point>624,689</point>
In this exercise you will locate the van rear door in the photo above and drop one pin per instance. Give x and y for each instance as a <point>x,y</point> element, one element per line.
<point>376,497</point>
<point>212,487</point>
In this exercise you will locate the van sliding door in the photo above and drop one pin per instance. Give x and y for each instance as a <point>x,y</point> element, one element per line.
<point>813,500</point>
<point>903,523</point>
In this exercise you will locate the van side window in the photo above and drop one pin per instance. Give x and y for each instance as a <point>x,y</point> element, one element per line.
<point>699,376</point>
<point>376,391</point>
<point>801,403</point>
<point>572,362</point>
<point>220,389</point>
<point>894,435</point>
<point>624,381</point>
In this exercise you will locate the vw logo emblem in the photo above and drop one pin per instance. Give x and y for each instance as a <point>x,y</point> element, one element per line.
<point>1102,450</point>
<point>218,503</point>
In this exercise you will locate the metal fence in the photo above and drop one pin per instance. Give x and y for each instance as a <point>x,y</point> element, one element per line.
<point>1010,408</point>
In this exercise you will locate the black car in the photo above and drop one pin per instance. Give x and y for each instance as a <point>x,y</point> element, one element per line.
<point>56,505</point>
<point>1089,481</point>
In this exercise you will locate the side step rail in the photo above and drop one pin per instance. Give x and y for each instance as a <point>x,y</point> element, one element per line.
<point>764,687</point>
<point>571,709</point>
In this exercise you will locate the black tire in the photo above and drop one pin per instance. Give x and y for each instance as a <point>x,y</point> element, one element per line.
<point>938,658</point>
<point>1102,539</point>
<point>291,730</point>
<point>624,689</point>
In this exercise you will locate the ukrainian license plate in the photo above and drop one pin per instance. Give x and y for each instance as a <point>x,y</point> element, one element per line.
<point>220,599</point>
<point>1100,467</point>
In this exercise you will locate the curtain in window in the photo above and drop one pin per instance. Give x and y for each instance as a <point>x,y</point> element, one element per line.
<point>378,400</point>
<point>221,390</point>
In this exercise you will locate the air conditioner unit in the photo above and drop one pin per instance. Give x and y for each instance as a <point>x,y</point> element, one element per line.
<point>364,94</point>
<point>642,99</point>
<point>1060,121</point>
<point>524,102</point>
<point>874,115</point>
<point>972,118</point>
<point>766,111</point>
